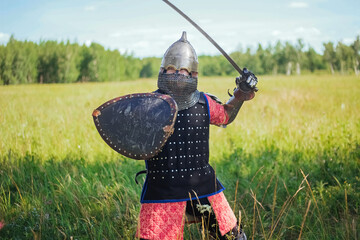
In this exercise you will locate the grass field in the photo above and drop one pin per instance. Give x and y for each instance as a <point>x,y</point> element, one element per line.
<point>290,161</point>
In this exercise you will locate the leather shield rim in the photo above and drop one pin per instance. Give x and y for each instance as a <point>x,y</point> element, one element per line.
<point>168,129</point>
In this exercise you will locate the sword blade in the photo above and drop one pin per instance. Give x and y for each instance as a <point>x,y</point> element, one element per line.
<point>237,68</point>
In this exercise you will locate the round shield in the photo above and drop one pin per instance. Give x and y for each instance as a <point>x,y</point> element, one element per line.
<point>136,125</point>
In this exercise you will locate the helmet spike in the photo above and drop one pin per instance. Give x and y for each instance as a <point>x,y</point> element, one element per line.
<point>183,37</point>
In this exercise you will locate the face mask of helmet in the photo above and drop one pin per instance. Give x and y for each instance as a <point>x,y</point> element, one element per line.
<point>182,88</point>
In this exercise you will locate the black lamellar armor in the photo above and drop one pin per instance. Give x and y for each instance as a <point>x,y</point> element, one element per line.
<point>181,171</point>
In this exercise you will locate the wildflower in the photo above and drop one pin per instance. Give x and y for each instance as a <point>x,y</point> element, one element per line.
<point>2,224</point>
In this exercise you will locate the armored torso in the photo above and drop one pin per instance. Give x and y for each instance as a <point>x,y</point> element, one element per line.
<point>181,171</point>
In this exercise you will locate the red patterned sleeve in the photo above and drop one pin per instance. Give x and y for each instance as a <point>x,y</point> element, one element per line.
<point>218,115</point>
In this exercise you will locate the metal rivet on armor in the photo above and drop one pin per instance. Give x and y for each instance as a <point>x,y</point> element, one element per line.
<point>172,176</point>
<point>190,175</point>
<point>182,176</point>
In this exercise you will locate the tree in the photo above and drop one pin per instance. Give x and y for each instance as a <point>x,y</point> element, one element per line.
<point>299,55</point>
<point>86,65</point>
<point>330,55</point>
<point>313,60</point>
<point>279,57</point>
<point>150,67</point>
<point>345,57</point>
<point>356,52</point>
<point>290,54</point>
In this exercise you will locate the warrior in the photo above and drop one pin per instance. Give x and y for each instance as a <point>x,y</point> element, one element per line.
<point>181,186</point>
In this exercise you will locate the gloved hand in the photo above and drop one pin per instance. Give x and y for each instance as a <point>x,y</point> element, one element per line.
<point>247,81</point>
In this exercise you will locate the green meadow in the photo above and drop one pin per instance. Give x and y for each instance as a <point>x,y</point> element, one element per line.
<point>290,161</point>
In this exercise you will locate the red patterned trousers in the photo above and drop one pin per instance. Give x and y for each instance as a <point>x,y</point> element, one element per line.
<point>165,221</point>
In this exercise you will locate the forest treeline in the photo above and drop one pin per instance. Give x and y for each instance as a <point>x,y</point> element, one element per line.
<point>66,62</point>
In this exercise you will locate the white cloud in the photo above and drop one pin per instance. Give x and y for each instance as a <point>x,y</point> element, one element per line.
<point>4,37</point>
<point>135,33</point>
<point>90,8</point>
<point>298,5</point>
<point>141,44</point>
<point>88,42</point>
<point>307,31</point>
<point>275,33</point>
<point>348,41</point>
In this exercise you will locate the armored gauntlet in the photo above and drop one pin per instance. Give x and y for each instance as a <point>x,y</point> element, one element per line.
<point>244,91</point>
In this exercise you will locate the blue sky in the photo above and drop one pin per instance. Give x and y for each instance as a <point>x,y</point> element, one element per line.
<point>148,27</point>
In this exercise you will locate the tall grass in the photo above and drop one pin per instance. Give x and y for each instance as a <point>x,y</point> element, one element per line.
<point>290,161</point>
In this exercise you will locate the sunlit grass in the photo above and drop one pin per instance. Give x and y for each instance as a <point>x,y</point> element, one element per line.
<point>58,178</point>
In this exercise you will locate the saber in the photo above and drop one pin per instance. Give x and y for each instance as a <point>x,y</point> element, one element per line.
<point>237,68</point>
